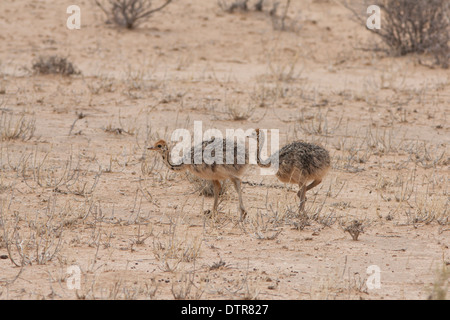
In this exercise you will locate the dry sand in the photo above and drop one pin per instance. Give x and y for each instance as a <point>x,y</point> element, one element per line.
<point>83,191</point>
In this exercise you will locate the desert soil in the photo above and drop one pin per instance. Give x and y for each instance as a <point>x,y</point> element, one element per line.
<point>82,198</point>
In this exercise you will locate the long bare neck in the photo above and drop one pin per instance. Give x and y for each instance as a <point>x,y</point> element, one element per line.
<point>175,167</point>
<point>258,152</point>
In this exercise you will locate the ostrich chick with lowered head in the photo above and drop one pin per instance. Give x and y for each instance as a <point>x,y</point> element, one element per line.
<point>299,163</point>
<point>216,171</point>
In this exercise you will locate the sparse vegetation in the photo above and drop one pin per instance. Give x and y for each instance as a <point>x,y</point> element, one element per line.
<point>414,26</point>
<point>35,241</point>
<point>54,65</point>
<point>16,127</point>
<point>355,228</point>
<point>130,13</point>
<point>79,187</point>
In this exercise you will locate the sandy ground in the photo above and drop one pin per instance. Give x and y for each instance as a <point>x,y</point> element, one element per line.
<point>79,191</point>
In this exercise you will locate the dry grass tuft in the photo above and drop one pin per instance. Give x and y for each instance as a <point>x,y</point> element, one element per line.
<point>16,128</point>
<point>54,65</point>
<point>355,228</point>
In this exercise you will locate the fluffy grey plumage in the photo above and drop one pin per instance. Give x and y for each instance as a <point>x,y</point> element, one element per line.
<point>213,165</point>
<point>299,163</point>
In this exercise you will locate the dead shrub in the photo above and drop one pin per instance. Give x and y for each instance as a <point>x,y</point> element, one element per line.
<point>413,26</point>
<point>129,13</point>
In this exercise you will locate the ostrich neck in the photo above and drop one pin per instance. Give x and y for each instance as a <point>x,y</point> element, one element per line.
<point>168,163</point>
<point>258,152</point>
